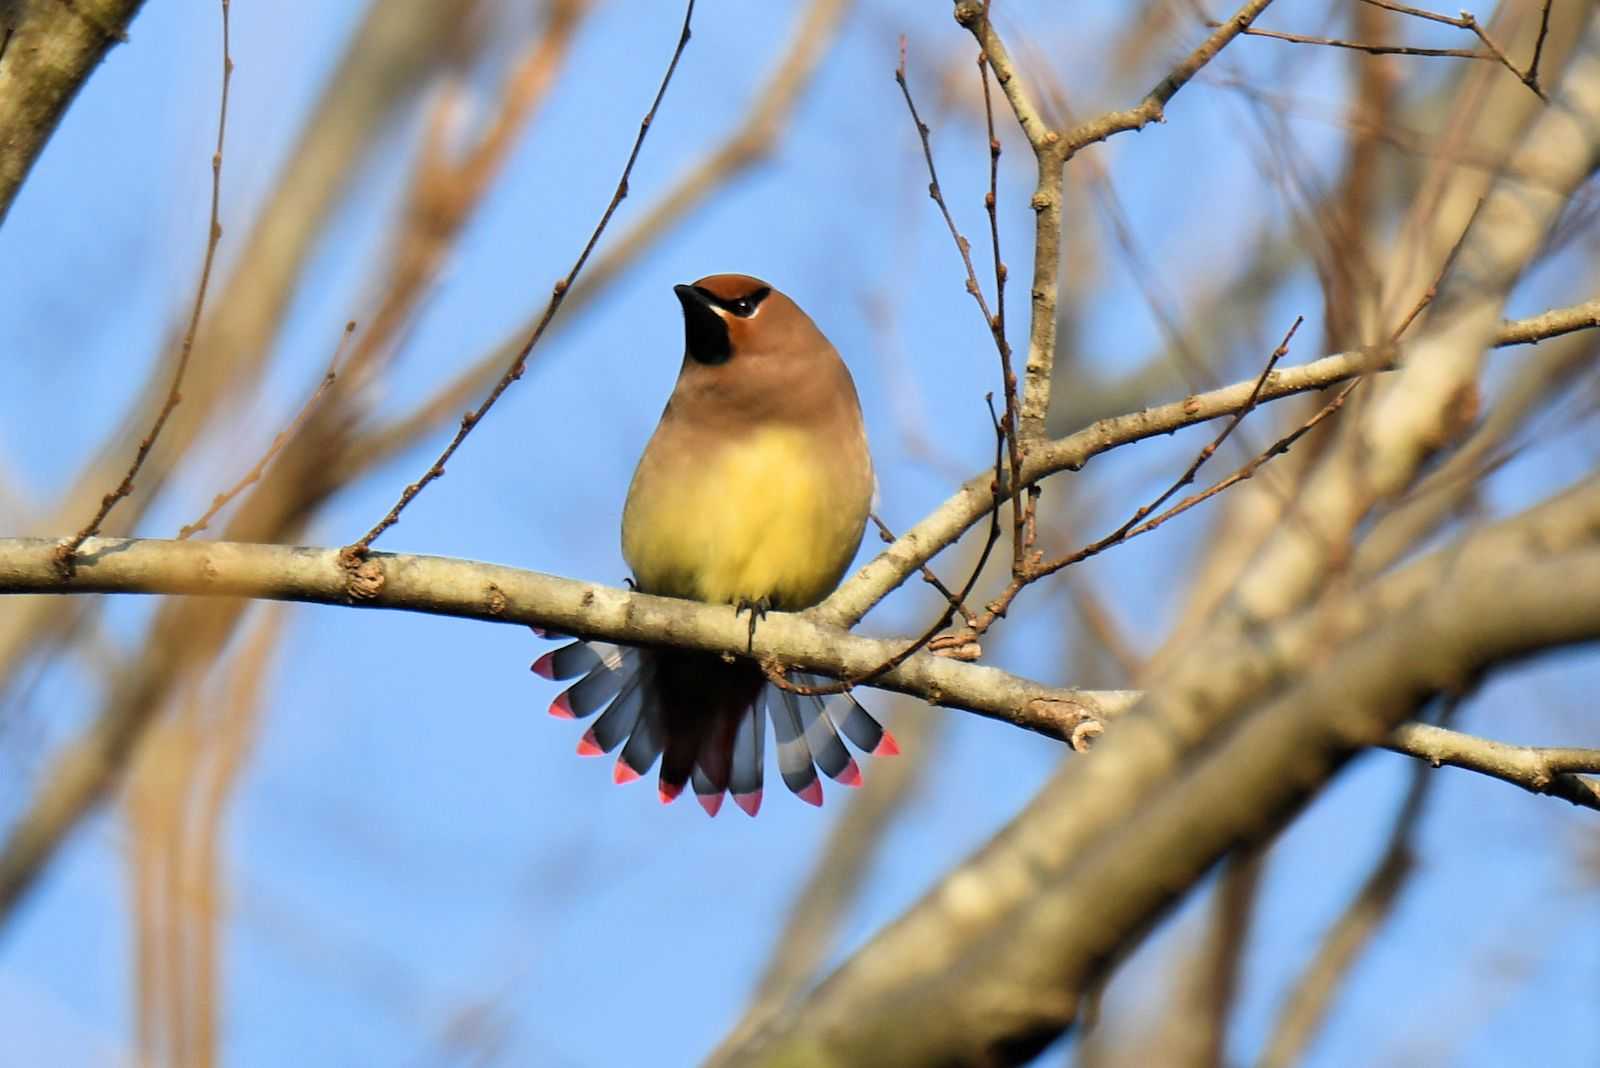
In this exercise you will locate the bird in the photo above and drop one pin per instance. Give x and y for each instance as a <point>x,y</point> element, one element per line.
<point>753,492</point>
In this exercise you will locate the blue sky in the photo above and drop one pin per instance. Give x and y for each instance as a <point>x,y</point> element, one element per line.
<point>413,835</point>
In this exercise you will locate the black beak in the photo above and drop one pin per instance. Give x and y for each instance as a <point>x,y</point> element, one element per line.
<point>705,331</point>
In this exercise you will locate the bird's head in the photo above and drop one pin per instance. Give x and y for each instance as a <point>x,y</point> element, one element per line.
<point>728,316</point>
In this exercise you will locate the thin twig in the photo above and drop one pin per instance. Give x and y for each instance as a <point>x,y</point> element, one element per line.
<point>928,576</point>
<point>1020,519</point>
<point>1135,525</point>
<point>358,549</point>
<point>69,548</point>
<point>1538,46</point>
<point>1232,424</point>
<point>1369,47</point>
<point>446,187</point>
<point>993,321</point>
<point>1153,107</point>
<point>221,500</point>
<point>747,144</point>
<point>1414,12</point>
<point>1464,21</point>
<point>1277,448</point>
<point>963,246</point>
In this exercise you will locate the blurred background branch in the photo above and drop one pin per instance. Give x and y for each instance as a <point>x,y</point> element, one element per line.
<point>48,49</point>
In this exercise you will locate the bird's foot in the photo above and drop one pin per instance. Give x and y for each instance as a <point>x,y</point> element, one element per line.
<point>757,610</point>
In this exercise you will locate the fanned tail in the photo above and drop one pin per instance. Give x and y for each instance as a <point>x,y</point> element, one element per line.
<point>705,719</point>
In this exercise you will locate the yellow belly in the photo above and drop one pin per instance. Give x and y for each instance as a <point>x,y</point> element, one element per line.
<point>756,520</point>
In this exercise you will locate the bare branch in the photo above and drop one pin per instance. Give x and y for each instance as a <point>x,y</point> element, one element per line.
<point>49,50</point>
<point>1555,772</point>
<point>495,594</point>
<point>393,51</point>
<point>1052,149</point>
<point>65,553</point>
<point>1536,328</point>
<point>218,573</point>
<point>821,905</point>
<point>486,592</point>
<point>1465,21</point>
<point>1153,107</point>
<point>358,549</point>
<point>252,476</point>
<point>1004,948</point>
<point>941,527</point>
<point>748,144</point>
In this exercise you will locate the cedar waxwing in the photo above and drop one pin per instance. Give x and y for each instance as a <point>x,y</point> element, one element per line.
<point>753,492</point>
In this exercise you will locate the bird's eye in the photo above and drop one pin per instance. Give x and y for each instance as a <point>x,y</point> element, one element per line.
<point>744,307</point>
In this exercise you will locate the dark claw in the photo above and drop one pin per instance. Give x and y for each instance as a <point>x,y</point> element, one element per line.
<point>757,610</point>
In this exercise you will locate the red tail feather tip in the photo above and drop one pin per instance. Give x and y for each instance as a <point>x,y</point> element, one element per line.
<point>850,776</point>
<point>588,745</point>
<point>812,794</point>
<point>751,802</point>
<point>543,667</point>
<point>560,709</point>
<point>668,792</point>
<point>886,746</point>
<point>712,803</point>
<point>622,774</point>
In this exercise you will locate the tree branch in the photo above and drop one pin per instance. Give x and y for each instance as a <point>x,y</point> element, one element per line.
<point>470,421</point>
<point>1554,772</point>
<point>506,595</point>
<point>391,54</point>
<point>442,587</point>
<point>493,593</point>
<point>752,141</point>
<point>1052,149</point>
<point>969,959</point>
<point>1424,408</point>
<point>49,51</point>
<point>993,962</point>
<point>972,502</point>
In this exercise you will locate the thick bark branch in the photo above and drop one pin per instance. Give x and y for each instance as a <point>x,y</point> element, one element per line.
<point>1430,403</point>
<point>48,49</point>
<point>992,963</point>
<point>1012,996</point>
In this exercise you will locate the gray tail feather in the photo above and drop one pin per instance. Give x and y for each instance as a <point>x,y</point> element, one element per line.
<point>705,720</point>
